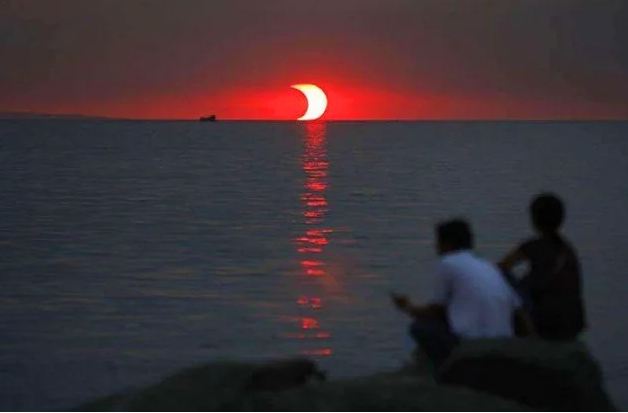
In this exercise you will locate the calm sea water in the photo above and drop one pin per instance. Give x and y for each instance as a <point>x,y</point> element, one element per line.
<point>131,249</point>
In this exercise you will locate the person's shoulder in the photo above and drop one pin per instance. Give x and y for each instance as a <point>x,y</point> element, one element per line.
<point>567,244</point>
<point>486,264</point>
<point>529,246</point>
<point>531,242</point>
<point>444,263</point>
<point>455,257</point>
<point>449,261</point>
<point>458,260</point>
<point>571,250</point>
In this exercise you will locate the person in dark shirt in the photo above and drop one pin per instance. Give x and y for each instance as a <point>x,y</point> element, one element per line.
<point>552,288</point>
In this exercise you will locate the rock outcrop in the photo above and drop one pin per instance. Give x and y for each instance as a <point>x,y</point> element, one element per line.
<point>541,374</point>
<point>226,386</point>
<point>483,375</point>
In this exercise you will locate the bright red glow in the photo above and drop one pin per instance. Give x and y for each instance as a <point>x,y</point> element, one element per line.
<point>314,236</point>
<point>313,268</point>
<point>314,240</point>
<point>314,272</point>
<point>308,336</point>
<point>315,165</point>
<point>310,250</point>
<point>348,100</point>
<point>309,323</point>
<point>316,186</point>
<point>315,302</point>
<point>322,352</point>
<point>317,203</point>
<point>311,302</point>
<point>315,169</point>
<point>311,263</point>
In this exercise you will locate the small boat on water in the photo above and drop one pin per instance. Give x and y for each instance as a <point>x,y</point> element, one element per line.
<point>210,118</point>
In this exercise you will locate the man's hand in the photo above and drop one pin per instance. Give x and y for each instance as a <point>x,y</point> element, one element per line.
<point>401,301</point>
<point>418,311</point>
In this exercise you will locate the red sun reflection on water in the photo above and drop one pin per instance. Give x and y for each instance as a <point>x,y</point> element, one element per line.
<point>312,243</point>
<point>315,166</point>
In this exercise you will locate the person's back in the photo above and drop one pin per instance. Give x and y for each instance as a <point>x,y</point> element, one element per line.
<point>552,285</point>
<point>479,302</point>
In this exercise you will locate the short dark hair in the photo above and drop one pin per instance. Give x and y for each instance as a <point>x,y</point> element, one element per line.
<point>456,233</point>
<point>547,212</point>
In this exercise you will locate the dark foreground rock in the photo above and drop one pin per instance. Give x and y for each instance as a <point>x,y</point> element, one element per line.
<point>484,375</point>
<point>227,387</point>
<point>540,374</point>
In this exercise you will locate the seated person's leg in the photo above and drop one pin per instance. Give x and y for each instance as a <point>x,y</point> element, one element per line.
<point>434,337</point>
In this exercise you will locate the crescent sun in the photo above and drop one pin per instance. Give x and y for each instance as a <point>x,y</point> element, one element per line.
<point>316,101</point>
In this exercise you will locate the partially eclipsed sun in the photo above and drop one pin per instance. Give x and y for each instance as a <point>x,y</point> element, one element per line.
<point>316,101</point>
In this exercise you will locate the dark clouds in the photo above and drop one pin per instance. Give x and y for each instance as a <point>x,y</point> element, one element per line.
<point>77,52</point>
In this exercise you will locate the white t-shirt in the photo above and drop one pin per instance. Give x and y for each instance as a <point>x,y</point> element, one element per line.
<point>479,302</point>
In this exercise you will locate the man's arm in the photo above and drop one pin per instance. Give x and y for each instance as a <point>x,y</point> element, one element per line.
<point>511,259</point>
<point>418,311</point>
<point>428,311</point>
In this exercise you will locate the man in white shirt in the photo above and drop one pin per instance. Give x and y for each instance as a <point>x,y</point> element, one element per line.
<point>471,298</point>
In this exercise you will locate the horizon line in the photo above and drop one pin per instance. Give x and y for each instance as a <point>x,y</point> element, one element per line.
<point>70,116</point>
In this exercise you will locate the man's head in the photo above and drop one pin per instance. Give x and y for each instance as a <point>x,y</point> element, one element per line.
<point>453,235</point>
<point>547,213</point>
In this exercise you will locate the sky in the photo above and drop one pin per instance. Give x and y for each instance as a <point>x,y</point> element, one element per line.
<point>375,59</point>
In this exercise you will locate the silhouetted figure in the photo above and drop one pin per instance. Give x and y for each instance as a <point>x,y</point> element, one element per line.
<point>551,289</point>
<point>471,298</point>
